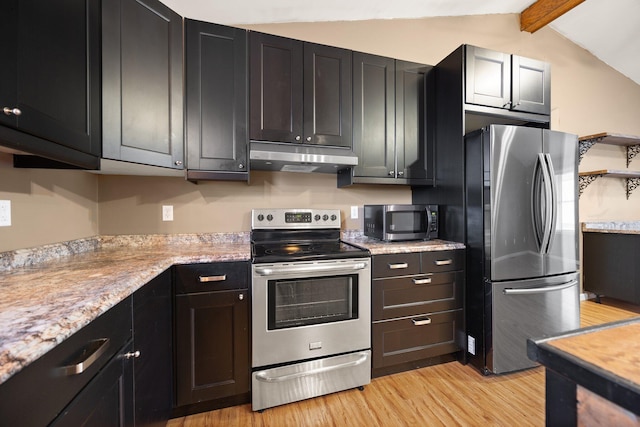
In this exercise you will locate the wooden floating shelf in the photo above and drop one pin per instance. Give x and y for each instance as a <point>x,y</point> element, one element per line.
<point>631,142</point>
<point>632,178</point>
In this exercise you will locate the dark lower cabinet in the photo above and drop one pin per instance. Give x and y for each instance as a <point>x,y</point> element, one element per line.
<point>417,309</point>
<point>142,83</point>
<point>50,92</point>
<point>153,350</point>
<point>116,371</point>
<point>107,399</point>
<point>212,368</point>
<point>216,101</point>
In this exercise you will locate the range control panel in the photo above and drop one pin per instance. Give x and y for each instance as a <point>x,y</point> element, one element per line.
<point>297,219</point>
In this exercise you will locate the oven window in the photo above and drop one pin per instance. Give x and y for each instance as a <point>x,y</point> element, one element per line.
<point>406,222</point>
<point>311,301</point>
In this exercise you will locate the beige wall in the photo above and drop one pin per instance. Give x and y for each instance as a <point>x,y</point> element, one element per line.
<point>47,206</point>
<point>587,97</point>
<point>133,205</point>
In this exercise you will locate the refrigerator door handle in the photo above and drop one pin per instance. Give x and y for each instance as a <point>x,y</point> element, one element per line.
<point>544,289</point>
<point>552,203</point>
<point>543,202</point>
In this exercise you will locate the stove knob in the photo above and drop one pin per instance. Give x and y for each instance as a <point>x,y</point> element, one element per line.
<point>269,217</point>
<point>317,217</point>
<point>325,217</point>
<point>333,217</point>
<point>260,217</point>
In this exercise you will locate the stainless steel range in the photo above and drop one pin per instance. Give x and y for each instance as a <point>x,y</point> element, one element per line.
<point>311,323</point>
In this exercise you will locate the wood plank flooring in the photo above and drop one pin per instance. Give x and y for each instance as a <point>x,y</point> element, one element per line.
<point>449,394</point>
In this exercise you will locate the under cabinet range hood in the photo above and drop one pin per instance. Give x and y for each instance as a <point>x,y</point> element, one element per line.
<point>287,157</point>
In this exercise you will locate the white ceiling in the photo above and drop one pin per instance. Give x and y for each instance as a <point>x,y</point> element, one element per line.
<point>608,29</point>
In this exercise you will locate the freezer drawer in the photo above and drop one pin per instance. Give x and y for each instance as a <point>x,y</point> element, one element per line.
<point>530,309</point>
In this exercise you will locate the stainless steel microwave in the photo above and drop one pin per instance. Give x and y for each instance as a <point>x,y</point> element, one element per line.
<point>401,222</point>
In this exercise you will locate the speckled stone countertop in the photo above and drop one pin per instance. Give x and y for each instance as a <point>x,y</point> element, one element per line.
<point>42,303</point>
<point>377,247</point>
<point>617,227</point>
<point>49,293</point>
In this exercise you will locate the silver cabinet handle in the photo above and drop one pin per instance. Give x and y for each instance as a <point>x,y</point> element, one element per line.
<point>134,354</point>
<point>9,111</point>
<point>422,321</point>
<point>308,139</point>
<point>400,173</point>
<point>90,353</point>
<point>241,297</point>
<point>508,104</point>
<point>297,137</point>
<point>398,266</point>
<point>391,173</point>
<point>440,262</point>
<point>421,281</point>
<point>178,163</point>
<point>204,279</point>
<point>240,166</point>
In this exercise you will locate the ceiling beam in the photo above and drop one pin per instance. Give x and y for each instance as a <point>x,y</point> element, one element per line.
<point>543,12</point>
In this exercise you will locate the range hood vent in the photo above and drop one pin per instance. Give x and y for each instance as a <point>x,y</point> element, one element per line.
<point>289,157</point>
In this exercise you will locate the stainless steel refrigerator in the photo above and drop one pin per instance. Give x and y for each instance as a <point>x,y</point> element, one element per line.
<point>521,196</point>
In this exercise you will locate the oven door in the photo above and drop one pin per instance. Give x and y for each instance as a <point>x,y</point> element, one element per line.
<point>306,310</point>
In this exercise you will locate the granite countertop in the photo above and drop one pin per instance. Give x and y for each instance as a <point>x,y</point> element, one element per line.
<point>616,227</point>
<point>49,293</point>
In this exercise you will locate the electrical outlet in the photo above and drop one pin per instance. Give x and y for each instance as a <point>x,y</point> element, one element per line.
<point>167,213</point>
<point>5,213</point>
<point>354,212</point>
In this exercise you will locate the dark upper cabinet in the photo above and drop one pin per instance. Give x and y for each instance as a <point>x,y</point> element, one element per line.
<point>142,83</point>
<point>50,92</point>
<point>512,82</point>
<point>299,92</point>
<point>216,101</point>
<point>391,133</point>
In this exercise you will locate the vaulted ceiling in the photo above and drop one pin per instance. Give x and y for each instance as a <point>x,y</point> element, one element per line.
<point>610,30</point>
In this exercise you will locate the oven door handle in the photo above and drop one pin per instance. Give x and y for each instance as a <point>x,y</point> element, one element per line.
<point>262,376</point>
<point>270,271</point>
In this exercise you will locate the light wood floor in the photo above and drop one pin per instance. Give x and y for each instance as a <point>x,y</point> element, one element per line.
<point>449,394</point>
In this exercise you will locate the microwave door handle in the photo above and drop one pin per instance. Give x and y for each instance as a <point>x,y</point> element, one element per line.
<point>426,214</point>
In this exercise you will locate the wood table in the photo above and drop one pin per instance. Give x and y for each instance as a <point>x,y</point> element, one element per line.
<point>592,375</point>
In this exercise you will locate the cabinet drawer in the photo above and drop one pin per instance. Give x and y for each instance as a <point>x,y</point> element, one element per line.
<point>406,339</point>
<point>217,276</point>
<point>396,265</point>
<point>437,261</point>
<point>48,385</point>
<point>409,296</point>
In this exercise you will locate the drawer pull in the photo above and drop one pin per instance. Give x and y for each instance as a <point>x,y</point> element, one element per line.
<point>425,281</point>
<point>443,262</point>
<point>422,321</point>
<point>204,279</point>
<point>398,266</point>
<point>90,353</point>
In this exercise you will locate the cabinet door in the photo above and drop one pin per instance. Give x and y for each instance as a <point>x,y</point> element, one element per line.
<point>531,85</point>
<point>488,77</point>
<point>106,400</point>
<point>413,148</point>
<point>327,96</point>
<point>50,71</point>
<point>152,332</point>
<point>212,346</point>
<point>216,97</point>
<point>373,115</point>
<point>275,88</point>
<point>142,83</point>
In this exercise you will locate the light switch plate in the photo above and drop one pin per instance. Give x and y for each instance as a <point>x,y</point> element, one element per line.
<point>354,212</point>
<point>5,213</point>
<point>167,212</point>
